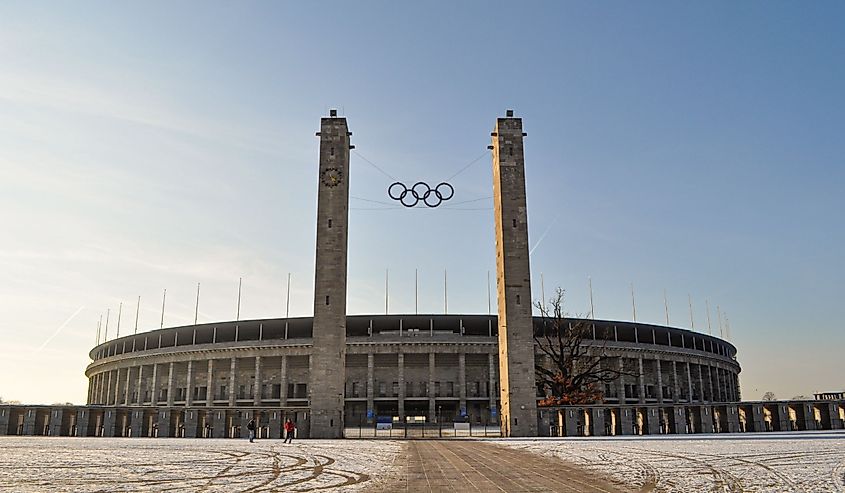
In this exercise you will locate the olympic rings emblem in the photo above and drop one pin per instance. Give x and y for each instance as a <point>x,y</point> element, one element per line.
<point>421,192</point>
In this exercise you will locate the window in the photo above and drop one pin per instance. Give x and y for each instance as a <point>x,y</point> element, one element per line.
<point>301,391</point>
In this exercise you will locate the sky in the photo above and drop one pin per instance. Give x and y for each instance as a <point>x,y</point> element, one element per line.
<point>691,149</point>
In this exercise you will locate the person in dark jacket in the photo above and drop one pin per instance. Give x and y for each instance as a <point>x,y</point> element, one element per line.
<point>251,427</point>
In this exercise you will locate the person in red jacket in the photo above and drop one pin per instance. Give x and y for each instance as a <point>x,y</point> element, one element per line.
<point>289,430</point>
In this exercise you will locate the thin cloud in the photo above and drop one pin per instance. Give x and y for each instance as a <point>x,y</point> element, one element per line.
<point>64,324</point>
<point>542,236</point>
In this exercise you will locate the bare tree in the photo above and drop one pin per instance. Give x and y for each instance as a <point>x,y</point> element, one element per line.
<point>576,372</point>
<point>769,396</point>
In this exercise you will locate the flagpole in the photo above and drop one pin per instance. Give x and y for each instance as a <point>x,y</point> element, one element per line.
<point>137,309</point>
<point>238,312</point>
<point>163,299</point>
<point>592,306</point>
<point>445,293</point>
<point>108,315</point>
<point>543,291</point>
<point>287,302</point>
<point>709,327</point>
<point>197,305</point>
<point>386,290</point>
<point>119,311</point>
<point>489,305</point>
<point>633,302</point>
<point>691,319</point>
<point>416,293</point>
<point>719,319</point>
<point>666,306</point>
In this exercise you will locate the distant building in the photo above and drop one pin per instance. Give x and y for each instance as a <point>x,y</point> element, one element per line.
<point>830,396</point>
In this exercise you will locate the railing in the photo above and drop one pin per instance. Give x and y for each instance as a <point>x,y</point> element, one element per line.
<point>400,430</point>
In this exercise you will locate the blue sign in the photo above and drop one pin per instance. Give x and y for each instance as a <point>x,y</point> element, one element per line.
<point>493,411</point>
<point>370,413</point>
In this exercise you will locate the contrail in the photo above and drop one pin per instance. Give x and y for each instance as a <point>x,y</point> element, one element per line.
<point>60,328</point>
<point>543,236</point>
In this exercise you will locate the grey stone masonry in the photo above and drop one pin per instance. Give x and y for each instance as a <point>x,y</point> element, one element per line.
<point>327,363</point>
<point>518,392</point>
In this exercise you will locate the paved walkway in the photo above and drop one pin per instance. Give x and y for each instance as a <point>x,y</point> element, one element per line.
<point>476,466</point>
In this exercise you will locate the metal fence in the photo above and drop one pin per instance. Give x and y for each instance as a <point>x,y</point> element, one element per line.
<point>402,430</point>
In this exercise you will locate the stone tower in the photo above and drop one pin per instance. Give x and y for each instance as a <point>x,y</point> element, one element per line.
<point>517,386</point>
<point>328,352</point>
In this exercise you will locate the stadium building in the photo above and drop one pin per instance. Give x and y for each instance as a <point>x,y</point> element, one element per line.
<point>333,372</point>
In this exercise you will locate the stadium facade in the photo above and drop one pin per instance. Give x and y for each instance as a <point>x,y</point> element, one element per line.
<point>332,371</point>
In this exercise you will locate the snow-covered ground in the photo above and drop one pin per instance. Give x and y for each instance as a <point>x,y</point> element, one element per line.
<point>132,464</point>
<point>764,462</point>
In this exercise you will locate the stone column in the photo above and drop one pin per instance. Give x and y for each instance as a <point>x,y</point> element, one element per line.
<point>154,393</point>
<point>720,384</point>
<point>140,387</point>
<point>462,383</point>
<point>492,383</point>
<point>710,383</point>
<point>679,420</point>
<point>676,390</point>
<point>401,365</point>
<point>621,380</point>
<point>689,382</point>
<point>209,384</point>
<point>734,391</point>
<point>641,381</point>
<point>730,385</point>
<point>116,401</point>
<point>96,396</point>
<point>659,380</point>
<point>128,386</point>
<point>233,366</point>
<point>108,389</point>
<point>170,385</point>
<point>189,391</point>
<point>256,399</point>
<point>432,405</point>
<point>283,382</point>
<point>92,389</point>
<point>370,383</point>
<point>700,384</point>
<point>728,390</point>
